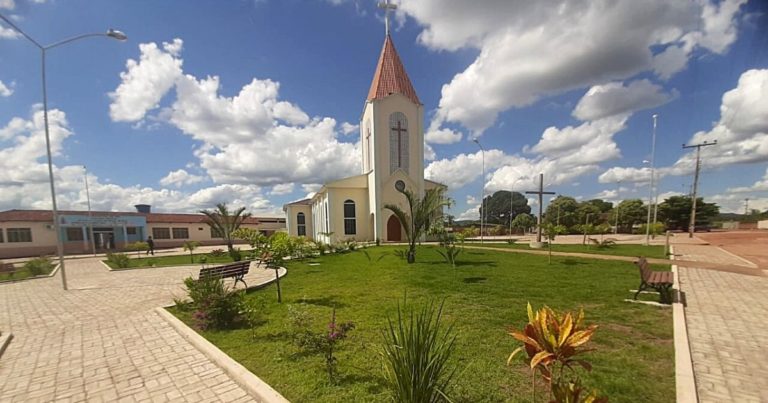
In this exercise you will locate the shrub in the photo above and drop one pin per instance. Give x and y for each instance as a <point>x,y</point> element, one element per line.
<point>38,266</point>
<point>217,253</point>
<point>137,247</point>
<point>119,260</point>
<point>300,328</point>
<point>553,343</point>
<point>416,355</point>
<point>215,305</point>
<point>236,254</point>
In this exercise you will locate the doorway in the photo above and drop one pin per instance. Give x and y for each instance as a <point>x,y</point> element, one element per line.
<point>105,238</point>
<point>394,229</point>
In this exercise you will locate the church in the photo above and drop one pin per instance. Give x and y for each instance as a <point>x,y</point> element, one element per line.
<point>392,144</point>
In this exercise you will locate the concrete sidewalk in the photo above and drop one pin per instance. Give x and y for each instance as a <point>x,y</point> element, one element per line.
<point>102,340</point>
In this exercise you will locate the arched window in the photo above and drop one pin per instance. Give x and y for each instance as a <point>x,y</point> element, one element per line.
<point>350,224</point>
<point>398,142</point>
<point>301,225</point>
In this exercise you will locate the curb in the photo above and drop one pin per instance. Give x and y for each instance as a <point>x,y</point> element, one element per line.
<point>5,340</point>
<point>256,387</point>
<point>685,380</point>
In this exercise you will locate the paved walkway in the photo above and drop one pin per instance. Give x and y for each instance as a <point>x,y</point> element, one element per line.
<point>102,341</point>
<point>727,329</point>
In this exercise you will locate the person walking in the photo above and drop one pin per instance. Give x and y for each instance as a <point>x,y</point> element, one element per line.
<point>151,244</point>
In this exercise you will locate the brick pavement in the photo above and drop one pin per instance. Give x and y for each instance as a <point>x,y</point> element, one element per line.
<point>102,341</point>
<point>727,330</point>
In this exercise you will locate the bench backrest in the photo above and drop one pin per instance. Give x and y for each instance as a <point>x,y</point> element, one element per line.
<point>645,271</point>
<point>230,270</point>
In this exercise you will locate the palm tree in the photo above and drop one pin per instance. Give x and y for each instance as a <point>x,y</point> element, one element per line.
<point>223,223</point>
<point>422,212</point>
<point>191,246</point>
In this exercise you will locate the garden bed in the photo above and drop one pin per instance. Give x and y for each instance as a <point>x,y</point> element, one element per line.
<point>485,295</point>
<point>163,261</point>
<point>39,267</point>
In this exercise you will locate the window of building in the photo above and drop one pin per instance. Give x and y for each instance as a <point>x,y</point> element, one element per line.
<point>398,142</point>
<point>181,233</point>
<point>1,236</point>
<point>350,225</point>
<point>301,225</point>
<point>19,234</point>
<point>161,233</point>
<point>74,234</point>
<point>216,233</point>
<point>130,230</point>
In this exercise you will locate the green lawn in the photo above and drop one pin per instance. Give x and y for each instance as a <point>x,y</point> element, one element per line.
<point>655,251</point>
<point>176,260</point>
<point>23,272</point>
<point>484,296</point>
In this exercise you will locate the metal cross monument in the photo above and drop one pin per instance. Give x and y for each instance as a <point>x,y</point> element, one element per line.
<point>387,6</point>
<point>541,194</point>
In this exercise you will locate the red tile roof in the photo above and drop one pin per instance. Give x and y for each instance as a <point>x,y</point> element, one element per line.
<point>47,216</point>
<point>390,76</point>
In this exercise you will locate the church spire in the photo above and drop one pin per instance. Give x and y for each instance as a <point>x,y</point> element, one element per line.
<point>390,76</point>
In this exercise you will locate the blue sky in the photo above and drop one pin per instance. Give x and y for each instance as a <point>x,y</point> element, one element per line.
<point>255,102</point>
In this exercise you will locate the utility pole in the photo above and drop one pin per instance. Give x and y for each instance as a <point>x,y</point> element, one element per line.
<point>650,186</point>
<point>692,225</point>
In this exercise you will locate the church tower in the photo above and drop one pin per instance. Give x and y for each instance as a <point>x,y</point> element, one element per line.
<point>392,138</point>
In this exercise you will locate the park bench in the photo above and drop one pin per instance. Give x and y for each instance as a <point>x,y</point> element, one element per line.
<point>660,281</point>
<point>8,268</point>
<point>236,270</point>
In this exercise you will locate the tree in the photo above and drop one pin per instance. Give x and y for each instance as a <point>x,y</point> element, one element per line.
<point>254,237</point>
<point>675,212</point>
<point>523,221</point>
<point>421,213</point>
<point>631,212</point>
<point>562,211</point>
<point>191,246</point>
<point>498,207</point>
<point>273,254</point>
<point>225,224</point>
<point>551,231</point>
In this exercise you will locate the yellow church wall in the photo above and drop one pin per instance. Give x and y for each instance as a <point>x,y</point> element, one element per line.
<point>337,197</point>
<point>291,224</point>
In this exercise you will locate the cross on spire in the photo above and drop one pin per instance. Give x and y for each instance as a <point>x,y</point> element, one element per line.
<point>387,6</point>
<point>541,194</point>
<point>400,130</point>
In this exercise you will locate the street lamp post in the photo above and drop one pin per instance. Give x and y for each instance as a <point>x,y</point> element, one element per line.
<point>618,189</point>
<point>43,49</point>
<point>90,217</point>
<point>650,187</point>
<point>482,192</point>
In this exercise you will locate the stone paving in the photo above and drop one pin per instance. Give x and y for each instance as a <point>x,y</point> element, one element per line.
<point>102,341</point>
<point>727,329</point>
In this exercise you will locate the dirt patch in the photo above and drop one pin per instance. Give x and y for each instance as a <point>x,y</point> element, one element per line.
<point>749,245</point>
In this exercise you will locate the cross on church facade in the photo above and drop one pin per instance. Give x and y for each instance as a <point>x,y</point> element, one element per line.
<point>399,129</point>
<point>541,194</point>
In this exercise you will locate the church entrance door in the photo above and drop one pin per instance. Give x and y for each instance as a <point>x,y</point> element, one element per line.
<point>394,229</point>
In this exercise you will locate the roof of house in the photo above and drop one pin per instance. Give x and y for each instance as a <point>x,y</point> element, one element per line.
<point>390,76</point>
<point>47,216</point>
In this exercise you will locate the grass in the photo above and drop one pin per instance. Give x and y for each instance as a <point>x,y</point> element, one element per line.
<point>164,261</point>
<point>23,272</point>
<point>653,251</point>
<point>484,296</point>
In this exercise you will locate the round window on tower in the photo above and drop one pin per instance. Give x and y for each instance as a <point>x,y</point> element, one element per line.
<point>400,186</point>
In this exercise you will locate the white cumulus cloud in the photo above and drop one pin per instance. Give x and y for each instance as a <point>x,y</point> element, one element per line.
<point>179,178</point>
<point>617,99</point>
<point>5,90</point>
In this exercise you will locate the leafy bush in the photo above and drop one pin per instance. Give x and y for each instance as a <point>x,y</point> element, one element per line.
<point>416,355</point>
<point>236,254</point>
<point>38,266</point>
<point>552,343</point>
<point>137,247</point>
<point>657,228</point>
<point>215,305</point>
<point>191,246</point>
<point>119,260</point>
<point>300,328</point>
<point>217,253</point>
